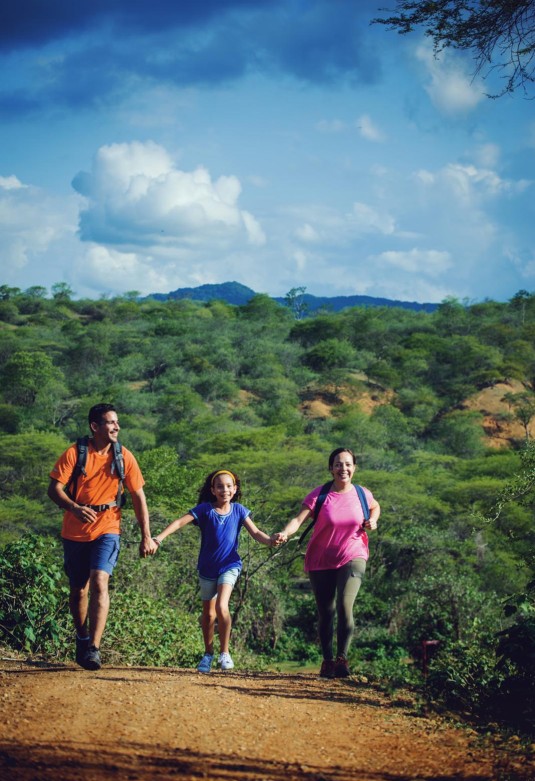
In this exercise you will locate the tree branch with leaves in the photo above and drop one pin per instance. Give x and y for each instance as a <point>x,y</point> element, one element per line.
<point>500,34</point>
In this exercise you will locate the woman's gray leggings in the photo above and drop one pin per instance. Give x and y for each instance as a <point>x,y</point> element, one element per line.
<point>336,590</point>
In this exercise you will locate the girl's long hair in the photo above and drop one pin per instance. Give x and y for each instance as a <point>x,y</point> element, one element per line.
<point>206,495</point>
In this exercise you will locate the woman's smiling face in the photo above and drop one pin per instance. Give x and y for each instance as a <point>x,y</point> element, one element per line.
<point>343,468</point>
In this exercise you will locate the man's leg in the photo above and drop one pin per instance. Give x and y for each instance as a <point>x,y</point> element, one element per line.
<point>99,605</point>
<point>78,606</point>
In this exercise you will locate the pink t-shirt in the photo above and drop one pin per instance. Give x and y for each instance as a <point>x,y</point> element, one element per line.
<point>338,535</point>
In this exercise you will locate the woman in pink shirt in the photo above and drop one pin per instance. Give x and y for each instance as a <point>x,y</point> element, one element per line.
<point>336,557</point>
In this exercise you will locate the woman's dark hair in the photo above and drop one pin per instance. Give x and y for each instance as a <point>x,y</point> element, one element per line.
<point>206,494</point>
<point>337,452</point>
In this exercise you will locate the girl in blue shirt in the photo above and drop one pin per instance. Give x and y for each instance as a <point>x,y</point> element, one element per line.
<point>220,518</point>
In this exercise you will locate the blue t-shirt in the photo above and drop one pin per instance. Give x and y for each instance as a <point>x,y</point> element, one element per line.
<point>219,538</point>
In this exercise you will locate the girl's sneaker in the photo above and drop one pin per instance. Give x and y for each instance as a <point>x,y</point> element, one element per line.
<point>225,660</point>
<point>205,665</point>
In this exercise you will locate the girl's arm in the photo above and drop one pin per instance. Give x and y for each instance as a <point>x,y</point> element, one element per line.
<point>174,526</point>
<point>293,525</point>
<point>259,535</point>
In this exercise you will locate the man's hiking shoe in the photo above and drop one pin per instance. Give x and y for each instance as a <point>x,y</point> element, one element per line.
<point>82,646</point>
<point>327,668</point>
<point>341,667</point>
<point>91,660</point>
<point>225,660</point>
<point>205,665</point>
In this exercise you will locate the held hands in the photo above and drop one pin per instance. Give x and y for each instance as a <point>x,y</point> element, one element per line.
<point>279,538</point>
<point>148,548</point>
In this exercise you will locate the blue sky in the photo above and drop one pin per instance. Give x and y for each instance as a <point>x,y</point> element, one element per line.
<point>278,143</point>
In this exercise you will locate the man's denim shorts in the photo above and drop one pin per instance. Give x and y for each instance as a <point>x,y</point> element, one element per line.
<point>209,585</point>
<point>79,558</point>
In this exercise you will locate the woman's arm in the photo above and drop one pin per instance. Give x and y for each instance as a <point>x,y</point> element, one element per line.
<point>293,525</point>
<point>375,512</point>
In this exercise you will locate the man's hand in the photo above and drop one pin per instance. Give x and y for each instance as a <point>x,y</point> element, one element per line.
<point>84,514</point>
<point>147,547</point>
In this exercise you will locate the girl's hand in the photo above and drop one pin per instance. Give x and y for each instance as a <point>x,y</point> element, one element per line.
<point>155,544</point>
<point>279,539</point>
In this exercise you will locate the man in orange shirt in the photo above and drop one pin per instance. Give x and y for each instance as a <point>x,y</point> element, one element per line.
<point>91,527</point>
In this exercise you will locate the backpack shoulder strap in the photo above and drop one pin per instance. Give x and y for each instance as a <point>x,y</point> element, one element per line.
<point>82,446</point>
<point>317,507</point>
<point>363,501</point>
<point>118,467</point>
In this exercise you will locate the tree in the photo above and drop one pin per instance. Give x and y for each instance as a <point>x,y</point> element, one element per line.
<point>523,408</point>
<point>500,34</point>
<point>62,292</point>
<point>295,301</point>
<point>25,375</point>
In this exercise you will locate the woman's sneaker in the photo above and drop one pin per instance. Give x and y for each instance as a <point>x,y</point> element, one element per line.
<point>341,667</point>
<point>327,668</point>
<point>205,665</point>
<point>225,660</point>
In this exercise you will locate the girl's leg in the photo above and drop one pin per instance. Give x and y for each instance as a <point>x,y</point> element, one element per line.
<point>349,579</point>
<point>224,620</point>
<point>324,587</point>
<point>208,624</point>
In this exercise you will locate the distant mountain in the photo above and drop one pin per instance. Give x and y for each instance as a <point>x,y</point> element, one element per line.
<point>234,293</point>
<point>231,292</point>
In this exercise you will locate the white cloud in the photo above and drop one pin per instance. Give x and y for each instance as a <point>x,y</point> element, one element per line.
<point>368,129</point>
<point>450,88</point>
<point>417,261</point>
<point>136,197</point>
<point>10,183</point>
<point>307,233</point>
<point>30,224</point>
<point>368,219</point>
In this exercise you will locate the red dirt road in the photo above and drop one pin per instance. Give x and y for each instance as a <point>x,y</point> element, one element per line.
<point>61,723</point>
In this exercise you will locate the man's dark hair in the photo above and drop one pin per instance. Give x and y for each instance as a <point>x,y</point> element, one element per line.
<point>97,412</point>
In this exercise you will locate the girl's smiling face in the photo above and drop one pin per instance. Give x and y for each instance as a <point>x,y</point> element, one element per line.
<point>224,488</point>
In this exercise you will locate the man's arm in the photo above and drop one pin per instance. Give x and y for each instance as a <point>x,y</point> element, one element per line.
<point>147,546</point>
<point>56,492</point>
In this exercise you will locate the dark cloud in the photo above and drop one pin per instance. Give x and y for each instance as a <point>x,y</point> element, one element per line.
<point>108,45</point>
<point>36,22</point>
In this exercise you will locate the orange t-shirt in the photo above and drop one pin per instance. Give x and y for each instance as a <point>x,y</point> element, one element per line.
<point>98,487</point>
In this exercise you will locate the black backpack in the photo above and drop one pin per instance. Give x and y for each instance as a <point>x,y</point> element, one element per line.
<point>321,498</point>
<point>117,467</point>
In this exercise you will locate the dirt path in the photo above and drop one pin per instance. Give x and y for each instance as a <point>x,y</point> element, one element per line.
<point>61,723</point>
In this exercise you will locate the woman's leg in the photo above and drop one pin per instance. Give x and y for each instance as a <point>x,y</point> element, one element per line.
<point>208,624</point>
<point>224,620</point>
<point>324,587</point>
<point>348,582</point>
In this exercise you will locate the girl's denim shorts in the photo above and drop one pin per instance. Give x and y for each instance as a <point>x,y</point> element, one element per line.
<point>209,585</point>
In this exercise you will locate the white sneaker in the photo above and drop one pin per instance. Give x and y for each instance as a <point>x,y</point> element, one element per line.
<point>225,660</point>
<point>205,665</point>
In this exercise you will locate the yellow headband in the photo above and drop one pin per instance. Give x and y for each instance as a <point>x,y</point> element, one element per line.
<point>223,472</point>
